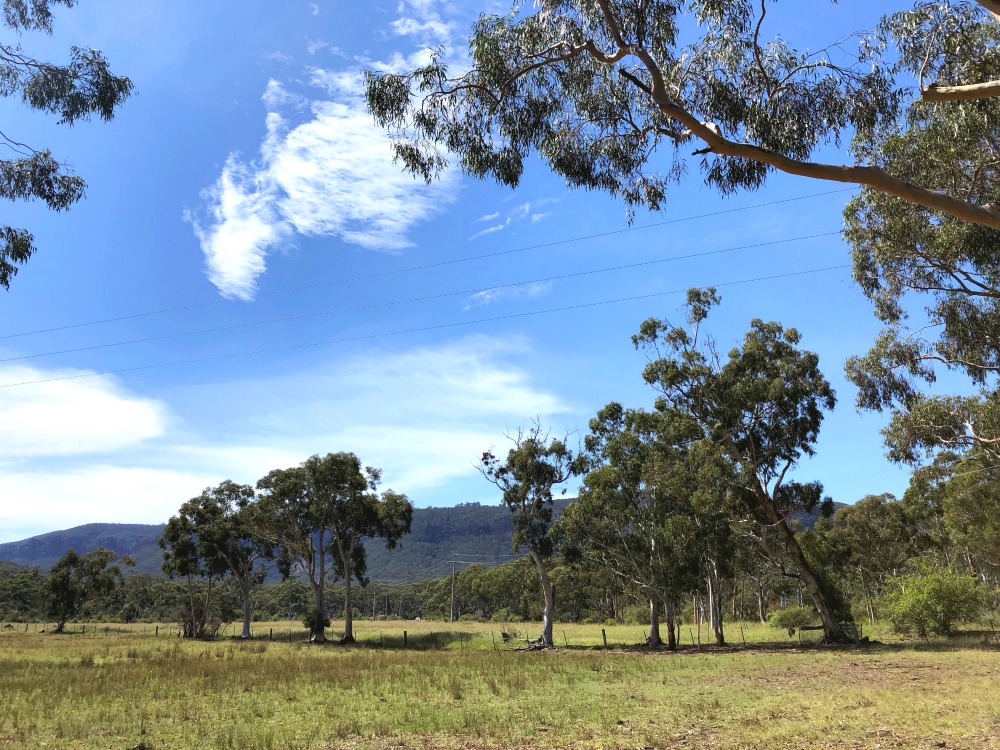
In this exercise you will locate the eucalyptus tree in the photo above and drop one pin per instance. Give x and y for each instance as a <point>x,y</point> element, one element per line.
<point>74,91</point>
<point>628,522</point>
<point>872,541</point>
<point>359,513</point>
<point>76,579</point>
<point>225,524</point>
<point>762,406</point>
<point>185,556</point>
<point>533,467</point>
<point>947,141</point>
<point>608,94</point>
<point>298,520</point>
<point>319,513</point>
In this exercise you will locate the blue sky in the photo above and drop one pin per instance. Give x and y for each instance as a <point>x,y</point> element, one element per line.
<point>244,183</point>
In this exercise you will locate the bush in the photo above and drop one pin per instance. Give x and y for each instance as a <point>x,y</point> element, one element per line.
<point>314,622</point>
<point>505,615</point>
<point>793,617</point>
<point>930,602</point>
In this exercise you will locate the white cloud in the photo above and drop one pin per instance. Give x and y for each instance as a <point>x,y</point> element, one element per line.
<point>492,229</point>
<point>244,226</point>
<point>450,402</point>
<point>518,213</point>
<point>279,57</point>
<point>332,175</point>
<point>87,416</point>
<point>521,292</point>
<point>46,499</point>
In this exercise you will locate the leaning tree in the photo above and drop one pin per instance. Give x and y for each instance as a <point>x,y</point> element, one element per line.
<point>762,404</point>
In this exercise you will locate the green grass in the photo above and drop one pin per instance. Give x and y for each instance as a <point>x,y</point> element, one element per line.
<point>449,688</point>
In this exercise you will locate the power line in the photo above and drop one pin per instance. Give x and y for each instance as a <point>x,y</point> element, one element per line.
<point>423,329</point>
<point>408,269</point>
<point>426,298</point>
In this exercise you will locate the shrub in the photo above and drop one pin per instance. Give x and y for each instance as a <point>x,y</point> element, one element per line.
<point>793,617</point>
<point>505,615</point>
<point>314,622</point>
<point>930,602</point>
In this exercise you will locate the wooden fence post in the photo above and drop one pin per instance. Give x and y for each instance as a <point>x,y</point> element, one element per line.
<point>604,635</point>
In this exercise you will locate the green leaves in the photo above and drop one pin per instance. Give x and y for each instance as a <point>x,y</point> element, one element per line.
<point>75,91</point>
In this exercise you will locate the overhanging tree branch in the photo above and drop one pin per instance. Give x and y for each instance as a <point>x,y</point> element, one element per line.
<point>968,92</point>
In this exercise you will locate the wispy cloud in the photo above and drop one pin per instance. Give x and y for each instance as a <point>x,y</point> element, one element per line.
<point>332,175</point>
<point>520,292</point>
<point>328,174</point>
<point>519,213</point>
<point>243,225</point>
<point>492,229</point>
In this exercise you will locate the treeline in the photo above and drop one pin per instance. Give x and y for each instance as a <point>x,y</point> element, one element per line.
<point>686,509</point>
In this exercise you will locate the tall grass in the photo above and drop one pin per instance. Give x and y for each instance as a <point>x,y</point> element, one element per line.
<point>448,687</point>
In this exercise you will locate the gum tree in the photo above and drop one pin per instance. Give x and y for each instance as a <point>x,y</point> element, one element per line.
<point>318,513</point>
<point>76,579</point>
<point>361,513</point>
<point>608,95</point>
<point>532,468</point>
<point>762,404</point>
<point>73,91</point>
<point>224,524</point>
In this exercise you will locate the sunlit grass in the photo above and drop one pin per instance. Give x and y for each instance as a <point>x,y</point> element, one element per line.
<point>451,687</point>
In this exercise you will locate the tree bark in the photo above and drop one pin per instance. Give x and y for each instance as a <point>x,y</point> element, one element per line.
<point>348,613</point>
<point>715,603</point>
<point>670,621</point>
<point>319,591</point>
<point>968,92</point>
<point>654,621</point>
<point>247,610</point>
<point>550,604</point>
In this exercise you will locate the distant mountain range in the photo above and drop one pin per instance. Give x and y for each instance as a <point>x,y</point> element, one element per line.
<point>467,533</point>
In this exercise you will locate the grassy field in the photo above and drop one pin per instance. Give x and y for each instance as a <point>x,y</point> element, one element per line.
<point>449,687</point>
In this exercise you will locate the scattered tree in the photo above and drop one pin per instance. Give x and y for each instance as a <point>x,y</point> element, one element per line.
<point>224,523</point>
<point>185,556</point>
<point>360,513</point>
<point>763,407</point>
<point>532,468</point>
<point>76,579</point>
<point>320,511</point>
<point>75,91</point>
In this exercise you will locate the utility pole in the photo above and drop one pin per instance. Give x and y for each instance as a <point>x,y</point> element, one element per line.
<point>452,592</point>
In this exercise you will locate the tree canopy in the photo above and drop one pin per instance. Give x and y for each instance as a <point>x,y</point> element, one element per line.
<point>612,93</point>
<point>762,405</point>
<point>76,579</point>
<point>73,91</point>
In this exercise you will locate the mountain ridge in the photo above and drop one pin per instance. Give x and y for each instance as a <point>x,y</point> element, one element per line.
<point>468,532</point>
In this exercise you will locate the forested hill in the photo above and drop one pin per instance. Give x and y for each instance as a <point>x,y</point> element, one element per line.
<point>136,540</point>
<point>469,533</point>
